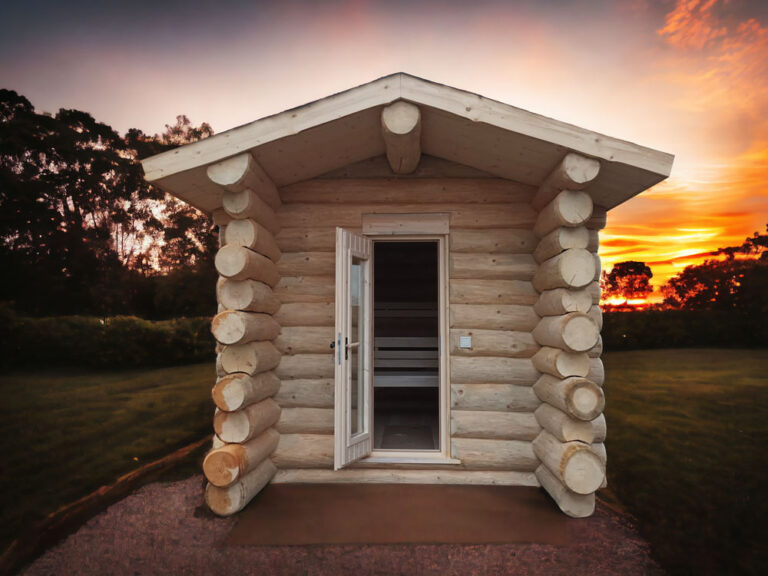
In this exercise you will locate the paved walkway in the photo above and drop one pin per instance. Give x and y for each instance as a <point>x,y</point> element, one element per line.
<point>166,529</point>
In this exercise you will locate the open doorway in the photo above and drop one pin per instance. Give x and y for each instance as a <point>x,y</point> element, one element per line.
<point>406,325</point>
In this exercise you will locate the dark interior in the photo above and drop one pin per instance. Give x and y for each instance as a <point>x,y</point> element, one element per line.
<point>406,397</point>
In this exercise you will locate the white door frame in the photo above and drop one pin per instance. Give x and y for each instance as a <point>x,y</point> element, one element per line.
<point>443,454</point>
<point>349,447</point>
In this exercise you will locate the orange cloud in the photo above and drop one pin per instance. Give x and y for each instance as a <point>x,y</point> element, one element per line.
<point>692,24</point>
<point>718,194</point>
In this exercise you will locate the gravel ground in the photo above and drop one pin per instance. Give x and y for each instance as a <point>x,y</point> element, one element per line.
<point>166,529</point>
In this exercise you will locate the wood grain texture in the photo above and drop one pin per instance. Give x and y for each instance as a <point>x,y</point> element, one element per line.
<point>301,366</point>
<point>494,425</point>
<point>480,454</point>
<point>304,420</point>
<point>494,397</point>
<point>305,314</point>
<point>493,317</point>
<point>379,476</point>
<point>307,264</point>
<point>512,344</point>
<point>308,289</point>
<point>500,292</point>
<point>500,241</point>
<point>304,451</point>
<point>493,266</point>
<point>304,340</point>
<point>306,393</point>
<point>357,190</point>
<point>488,369</point>
<point>475,216</point>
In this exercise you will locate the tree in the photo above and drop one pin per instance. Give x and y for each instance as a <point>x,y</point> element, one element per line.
<point>181,258</point>
<point>188,236</point>
<point>80,228</point>
<point>734,279</point>
<point>629,280</point>
<point>74,207</point>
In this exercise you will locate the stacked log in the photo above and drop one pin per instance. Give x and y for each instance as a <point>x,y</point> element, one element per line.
<point>569,446</point>
<point>246,328</point>
<point>490,296</point>
<point>491,301</point>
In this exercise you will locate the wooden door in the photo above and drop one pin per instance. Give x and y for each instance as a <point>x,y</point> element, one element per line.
<point>353,348</point>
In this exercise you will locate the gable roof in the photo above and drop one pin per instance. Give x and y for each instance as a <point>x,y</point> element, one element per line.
<point>460,126</point>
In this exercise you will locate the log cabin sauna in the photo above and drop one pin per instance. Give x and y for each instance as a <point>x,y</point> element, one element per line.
<point>408,292</point>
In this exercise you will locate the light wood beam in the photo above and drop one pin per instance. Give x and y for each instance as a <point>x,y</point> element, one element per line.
<point>574,172</point>
<point>228,501</point>
<point>242,172</point>
<point>401,129</point>
<point>227,464</point>
<point>234,391</point>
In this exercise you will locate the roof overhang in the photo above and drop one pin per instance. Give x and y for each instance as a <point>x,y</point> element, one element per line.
<point>459,126</point>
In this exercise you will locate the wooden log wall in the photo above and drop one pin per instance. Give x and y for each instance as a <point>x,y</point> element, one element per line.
<point>246,329</point>
<point>491,297</point>
<point>569,446</point>
<point>525,399</point>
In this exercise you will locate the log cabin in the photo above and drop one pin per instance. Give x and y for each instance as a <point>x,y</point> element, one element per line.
<point>408,291</point>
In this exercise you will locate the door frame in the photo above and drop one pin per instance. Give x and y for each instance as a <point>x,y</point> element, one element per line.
<point>443,454</point>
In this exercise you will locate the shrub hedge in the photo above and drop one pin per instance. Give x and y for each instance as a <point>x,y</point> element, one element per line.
<point>128,341</point>
<point>683,329</point>
<point>117,342</point>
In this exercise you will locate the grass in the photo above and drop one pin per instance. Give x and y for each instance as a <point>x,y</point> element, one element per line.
<point>66,433</point>
<point>687,432</point>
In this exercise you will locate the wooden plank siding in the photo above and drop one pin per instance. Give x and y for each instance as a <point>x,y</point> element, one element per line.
<point>490,266</point>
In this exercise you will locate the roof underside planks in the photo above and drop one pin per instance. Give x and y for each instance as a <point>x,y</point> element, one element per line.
<point>345,128</point>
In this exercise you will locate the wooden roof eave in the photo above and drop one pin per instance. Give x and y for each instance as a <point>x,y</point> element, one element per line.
<point>460,126</point>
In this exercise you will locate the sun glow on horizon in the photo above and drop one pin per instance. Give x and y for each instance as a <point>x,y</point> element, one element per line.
<point>689,77</point>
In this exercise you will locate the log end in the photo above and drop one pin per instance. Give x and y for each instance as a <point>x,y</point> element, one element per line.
<point>241,233</point>
<point>580,333</point>
<point>572,364</point>
<point>586,400</point>
<point>400,118</point>
<point>228,327</point>
<point>222,467</point>
<point>230,260</point>
<point>230,171</point>
<point>228,393</point>
<point>236,203</point>
<point>580,170</point>
<point>582,471</point>
<point>232,427</point>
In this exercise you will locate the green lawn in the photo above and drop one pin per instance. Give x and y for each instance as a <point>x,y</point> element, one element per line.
<point>687,431</point>
<point>65,433</point>
<point>687,437</point>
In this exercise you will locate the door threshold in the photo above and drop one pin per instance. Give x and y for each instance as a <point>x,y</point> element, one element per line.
<point>408,457</point>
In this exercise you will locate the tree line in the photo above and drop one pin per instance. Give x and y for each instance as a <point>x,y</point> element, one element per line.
<point>81,231</point>
<point>731,278</point>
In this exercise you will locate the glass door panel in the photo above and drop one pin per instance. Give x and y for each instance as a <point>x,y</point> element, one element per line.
<point>353,333</point>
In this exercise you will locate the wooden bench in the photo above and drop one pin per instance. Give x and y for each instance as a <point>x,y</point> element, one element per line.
<point>408,361</point>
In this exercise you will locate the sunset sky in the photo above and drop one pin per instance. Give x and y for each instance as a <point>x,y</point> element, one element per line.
<point>689,77</point>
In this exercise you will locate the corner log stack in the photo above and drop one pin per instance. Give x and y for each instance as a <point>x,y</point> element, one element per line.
<point>570,445</point>
<point>240,463</point>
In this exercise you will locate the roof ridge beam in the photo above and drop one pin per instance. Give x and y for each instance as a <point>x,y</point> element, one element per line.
<point>401,130</point>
